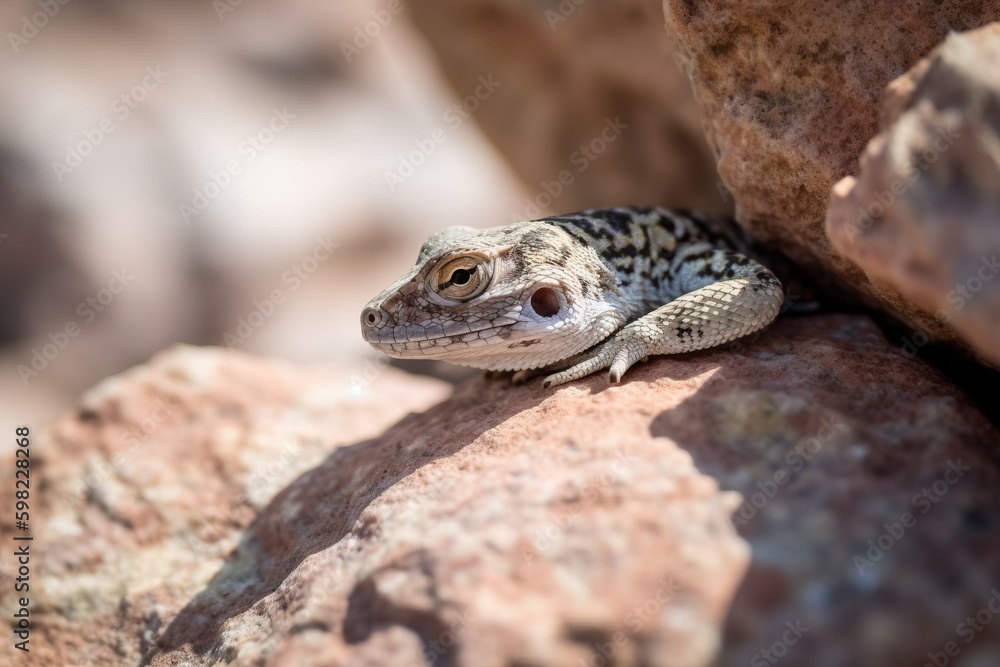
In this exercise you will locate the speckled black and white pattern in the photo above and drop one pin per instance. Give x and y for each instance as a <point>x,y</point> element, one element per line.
<point>578,293</point>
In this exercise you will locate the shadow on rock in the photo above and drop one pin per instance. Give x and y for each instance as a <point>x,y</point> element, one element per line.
<point>322,507</point>
<point>870,498</point>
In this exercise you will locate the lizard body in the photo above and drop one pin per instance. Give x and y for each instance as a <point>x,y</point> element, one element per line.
<point>574,294</point>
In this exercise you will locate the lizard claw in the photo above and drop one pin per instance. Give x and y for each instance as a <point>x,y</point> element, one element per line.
<point>600,359</point>
<point>618,354</point>
<point>627,354</point>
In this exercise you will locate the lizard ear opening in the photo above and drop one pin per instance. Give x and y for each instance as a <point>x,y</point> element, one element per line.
<point>545,302</point>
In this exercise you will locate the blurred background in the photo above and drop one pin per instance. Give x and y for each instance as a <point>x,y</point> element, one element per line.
<point>250,172</point>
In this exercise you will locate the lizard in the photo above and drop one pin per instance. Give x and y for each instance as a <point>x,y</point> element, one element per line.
<point>570,295</point>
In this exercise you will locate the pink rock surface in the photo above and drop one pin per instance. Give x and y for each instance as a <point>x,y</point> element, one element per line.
<point>518,526</point>
<point>146,487</point>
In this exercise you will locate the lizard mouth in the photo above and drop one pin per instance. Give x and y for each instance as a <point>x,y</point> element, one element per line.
<point>419,338</point>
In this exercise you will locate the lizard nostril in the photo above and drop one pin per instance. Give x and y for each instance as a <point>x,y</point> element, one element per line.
<point>545,302</point>
<point>371,316</point>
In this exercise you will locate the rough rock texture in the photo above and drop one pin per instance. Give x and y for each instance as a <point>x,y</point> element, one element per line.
<point>567,68</point>
<point>517,526</point>
<point>789,96</point>
<point>147,487</point>
<point>923,215</point>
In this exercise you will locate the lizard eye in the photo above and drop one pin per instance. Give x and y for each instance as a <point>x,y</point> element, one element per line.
<point>460,278</point>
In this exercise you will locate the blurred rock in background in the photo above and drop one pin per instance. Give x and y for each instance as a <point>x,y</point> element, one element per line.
<point>593,91</point>
<point>923,216</point>
<point>214,156</point>
<point>257,170</point>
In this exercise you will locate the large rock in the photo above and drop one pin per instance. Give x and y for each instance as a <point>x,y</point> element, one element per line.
<point>146,489</point>
<point>573,74</point>
<point>923,215</point>
<point>518,526</point>
<point>789,94</point>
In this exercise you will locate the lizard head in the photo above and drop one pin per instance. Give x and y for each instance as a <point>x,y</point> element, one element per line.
<point>508,298</point>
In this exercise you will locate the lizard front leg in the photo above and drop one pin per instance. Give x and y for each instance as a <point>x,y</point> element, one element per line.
<point>726,296</point>
<point>526,375</point>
